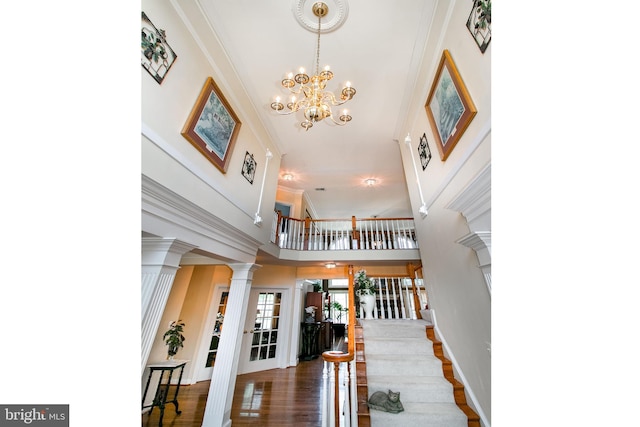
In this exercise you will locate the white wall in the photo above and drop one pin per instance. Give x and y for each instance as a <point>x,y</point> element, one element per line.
<point>171,161</point>
<point>455,284</point>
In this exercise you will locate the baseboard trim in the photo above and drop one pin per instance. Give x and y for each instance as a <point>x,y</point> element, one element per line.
<point>458,372</point>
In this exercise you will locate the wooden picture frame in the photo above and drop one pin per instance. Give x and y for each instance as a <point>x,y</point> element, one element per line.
<point>249,167</point>
<point>449,106</point>
<point>424,151</point>
<point>212,126</point>
<point>157,55</point>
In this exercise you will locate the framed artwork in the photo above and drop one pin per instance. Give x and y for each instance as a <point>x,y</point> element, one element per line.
<point>449,106</point>
<point>157,55</point>
<point>212,126</point>
<point>249,167</point>
<point>424,151</point>
<point>479,23</point>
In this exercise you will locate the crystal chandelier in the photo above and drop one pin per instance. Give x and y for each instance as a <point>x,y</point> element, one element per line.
<point>316,103</point>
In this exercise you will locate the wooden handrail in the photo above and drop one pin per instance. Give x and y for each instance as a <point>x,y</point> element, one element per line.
<point>338,357</point>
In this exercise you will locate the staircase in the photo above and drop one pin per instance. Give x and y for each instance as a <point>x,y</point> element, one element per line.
<point>403,355</point>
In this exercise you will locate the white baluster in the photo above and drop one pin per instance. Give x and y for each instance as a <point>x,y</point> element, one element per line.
<point>401,292</point>
<point>388,316</point>
<point>330,420</point>
<point>395,299</point>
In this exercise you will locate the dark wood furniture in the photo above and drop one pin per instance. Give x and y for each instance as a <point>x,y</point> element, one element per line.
<point>162,392</point>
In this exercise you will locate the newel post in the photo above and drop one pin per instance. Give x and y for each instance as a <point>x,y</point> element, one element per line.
<point>416,299</point>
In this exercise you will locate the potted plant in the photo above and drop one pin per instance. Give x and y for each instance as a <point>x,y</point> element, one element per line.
<point>338,326</point>
<point>338,309</point>
<point>174,338</point>
<point>366,291</point>
<point>364,286</point>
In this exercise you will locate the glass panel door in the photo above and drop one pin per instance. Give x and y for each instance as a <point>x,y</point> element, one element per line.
<point>261,344</point>
<point>265,332</point>
<point>217,329</point>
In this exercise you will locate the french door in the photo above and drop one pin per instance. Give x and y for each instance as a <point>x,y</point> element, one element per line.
<point>214,324</point>
<point>263,339</point>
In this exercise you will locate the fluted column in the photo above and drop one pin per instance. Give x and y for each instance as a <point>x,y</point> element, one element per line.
<point>217,412</point>
<point>160,261</point>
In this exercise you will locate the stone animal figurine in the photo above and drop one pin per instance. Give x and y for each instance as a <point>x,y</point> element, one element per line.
<point>387,402</point>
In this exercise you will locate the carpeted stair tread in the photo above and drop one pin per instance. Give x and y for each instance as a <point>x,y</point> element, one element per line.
<point>421,415</point>
<point>400,358</point>
<point>413,389</point>
<point>399,346</point>
<point>422,366</point>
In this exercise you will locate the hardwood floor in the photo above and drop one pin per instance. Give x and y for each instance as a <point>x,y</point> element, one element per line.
<point>277,397</point>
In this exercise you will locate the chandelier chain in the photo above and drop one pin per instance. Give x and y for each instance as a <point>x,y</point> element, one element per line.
<point>318,47</point>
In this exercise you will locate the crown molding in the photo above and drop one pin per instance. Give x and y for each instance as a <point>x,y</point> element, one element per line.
<point>475,200</point>
<point>165,213</point>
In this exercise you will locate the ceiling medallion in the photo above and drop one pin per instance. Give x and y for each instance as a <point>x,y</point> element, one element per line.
<point>305,16</point>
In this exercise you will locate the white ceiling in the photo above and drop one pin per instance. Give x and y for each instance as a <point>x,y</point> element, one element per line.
<point>378,49</point>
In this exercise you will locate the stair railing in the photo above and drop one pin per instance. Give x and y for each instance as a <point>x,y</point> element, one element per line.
<point>398,298</point>
<point>339,361</point>
<point>343,234</point>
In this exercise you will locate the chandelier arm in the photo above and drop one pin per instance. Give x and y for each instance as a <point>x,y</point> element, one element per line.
<point>297,91</point>
<point>340,123</point>
<point>329,96</point>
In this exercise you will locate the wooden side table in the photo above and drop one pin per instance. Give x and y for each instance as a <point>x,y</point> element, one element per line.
<point>162,392</point>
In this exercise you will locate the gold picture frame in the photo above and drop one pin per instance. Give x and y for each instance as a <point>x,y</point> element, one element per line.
<point>449,106</point>
<point>212,126</point>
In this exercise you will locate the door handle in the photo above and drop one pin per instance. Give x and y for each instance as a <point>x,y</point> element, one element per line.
<point>250,331</point>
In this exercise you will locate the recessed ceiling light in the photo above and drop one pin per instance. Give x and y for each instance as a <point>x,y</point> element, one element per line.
<point>370,182</point>
<point>330,265</point>
<point>287,177</point>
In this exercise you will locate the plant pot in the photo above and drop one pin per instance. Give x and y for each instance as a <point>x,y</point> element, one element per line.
<point>368,303</point>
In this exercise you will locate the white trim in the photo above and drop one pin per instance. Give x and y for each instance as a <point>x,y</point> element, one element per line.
<point>480,137</point>
<point>192,223</point>
<point>474,200</point>
<point>467,387</point>
<point>191,167</point>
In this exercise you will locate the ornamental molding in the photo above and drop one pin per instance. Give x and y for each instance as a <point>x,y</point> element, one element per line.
<point>475,200</point>
<point>303,12</point>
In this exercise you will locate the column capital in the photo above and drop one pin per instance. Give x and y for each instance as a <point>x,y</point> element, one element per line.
<point>164,251</point>
<point>239,267</point>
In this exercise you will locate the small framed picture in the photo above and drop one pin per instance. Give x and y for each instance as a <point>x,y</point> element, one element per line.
<point>249,167</point>
<point>157,55</point>
<point>479,23</point>
<point>424,151</point>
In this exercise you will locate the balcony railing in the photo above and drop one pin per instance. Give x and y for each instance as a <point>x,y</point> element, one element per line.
<point>343,234</point>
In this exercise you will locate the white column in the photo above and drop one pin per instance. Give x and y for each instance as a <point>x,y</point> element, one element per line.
<point>217,412</point>
<point>160,261</point>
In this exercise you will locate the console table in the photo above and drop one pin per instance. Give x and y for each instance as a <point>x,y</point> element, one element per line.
<point>162,392</point>
<point>310,334</point>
